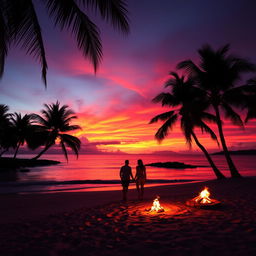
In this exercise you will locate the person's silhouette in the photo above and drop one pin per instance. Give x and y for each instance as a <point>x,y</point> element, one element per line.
<point>125,175</point>
<point>140,178</point>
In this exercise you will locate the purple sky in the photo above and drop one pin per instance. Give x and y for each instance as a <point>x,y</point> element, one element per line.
<point>115,104</point>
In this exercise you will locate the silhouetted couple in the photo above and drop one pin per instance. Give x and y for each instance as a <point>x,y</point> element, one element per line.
<point>140,178</point>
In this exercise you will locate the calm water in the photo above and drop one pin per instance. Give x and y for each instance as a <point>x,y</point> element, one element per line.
<point>101,172</point>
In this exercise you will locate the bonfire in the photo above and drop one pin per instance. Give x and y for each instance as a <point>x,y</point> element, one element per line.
<point>156,207</point>
<point>203,200</point>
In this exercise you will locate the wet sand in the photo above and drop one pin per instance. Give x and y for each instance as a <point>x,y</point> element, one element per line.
<point>98,223</point>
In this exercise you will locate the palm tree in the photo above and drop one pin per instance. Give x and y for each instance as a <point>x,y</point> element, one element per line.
<point>19,24</point>
<point>249,92</point>
<point>217,74</point>
<point>4,116</point>
<point>4,127</point>
<point>191,113</point>
<point>21,130</point>
<point>54,123</point>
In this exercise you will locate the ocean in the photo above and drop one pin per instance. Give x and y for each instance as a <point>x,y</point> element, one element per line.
<point>101,172</point>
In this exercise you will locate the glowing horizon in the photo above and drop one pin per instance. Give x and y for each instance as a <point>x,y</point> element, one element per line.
<point>114,106</point>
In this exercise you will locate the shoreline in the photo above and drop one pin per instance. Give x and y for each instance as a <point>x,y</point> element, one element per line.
<point>33,206</point>
<point>98,223</point>
<point>78,185</point>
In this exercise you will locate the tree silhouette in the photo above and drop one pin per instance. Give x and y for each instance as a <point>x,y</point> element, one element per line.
<point>21,130</point>
<point>249,103</point>
<point>19,24</point>
<point>53,125</point>
<point>217,74</point>
<point>191,113</point>
<point>4,128</point>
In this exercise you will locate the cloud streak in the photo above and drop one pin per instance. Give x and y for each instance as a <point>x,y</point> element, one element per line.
<point>114,106</point>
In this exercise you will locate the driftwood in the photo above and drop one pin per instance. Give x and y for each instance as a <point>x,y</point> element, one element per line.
<point>158,211</point>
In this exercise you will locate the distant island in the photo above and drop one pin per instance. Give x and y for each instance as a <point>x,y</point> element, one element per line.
<point>10,163</point>
<point>173,165</point>
<point>238,152</point>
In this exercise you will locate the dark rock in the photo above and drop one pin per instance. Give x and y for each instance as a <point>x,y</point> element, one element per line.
<point>173,165</point>
<point>9,162</point>
<point>238,152</point>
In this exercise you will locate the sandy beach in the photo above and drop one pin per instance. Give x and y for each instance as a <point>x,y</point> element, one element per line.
<point>98,223</point>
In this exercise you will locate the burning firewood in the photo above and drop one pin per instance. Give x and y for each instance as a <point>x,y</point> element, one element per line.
<point>203,200</point>
<point>156,207</point>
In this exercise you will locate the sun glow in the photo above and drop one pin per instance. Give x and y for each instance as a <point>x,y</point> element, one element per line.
<point>132,131</point>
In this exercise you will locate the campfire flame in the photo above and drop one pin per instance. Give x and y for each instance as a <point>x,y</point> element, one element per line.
<point>203,197</point>
<point>156,207</point>
<point>203,200</point>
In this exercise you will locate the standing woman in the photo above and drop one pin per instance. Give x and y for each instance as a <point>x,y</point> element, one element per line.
<point>140,178</point>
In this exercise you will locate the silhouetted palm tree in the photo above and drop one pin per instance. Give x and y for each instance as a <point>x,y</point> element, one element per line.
<point>191,113</point>
<point>249,92</point>
<point>21,130</point>
<point>19,24</point>
<point>54,123</point>
<point>4,116</point>
<point>217,74</point>
<point>4,126</point>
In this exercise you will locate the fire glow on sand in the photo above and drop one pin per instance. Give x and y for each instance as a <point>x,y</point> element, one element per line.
<point>203,200</point>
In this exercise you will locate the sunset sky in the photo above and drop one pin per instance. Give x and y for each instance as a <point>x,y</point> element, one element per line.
<point>114,106</point>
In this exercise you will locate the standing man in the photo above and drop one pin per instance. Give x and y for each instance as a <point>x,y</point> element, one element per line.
<point>125,175</point>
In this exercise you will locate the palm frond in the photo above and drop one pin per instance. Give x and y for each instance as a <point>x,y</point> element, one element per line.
<point>174,80</point>
<point>68,15</point>
<point>166,99</point>
<point>231,114</point>
<point>39,119</point>
<point>251,107</point>
<point>189,67</point>
<point>251,114</point>
<point>235,96</point>
<point>70,128</point>
<point>72,142</point>
<point>4,42</point>
<point>69,119</point>
<point>26,31</point>
<point>205,128</point>
<point>4,111</point>
<point>252,82</point>
<point>162,117</point>
<point>223,50</point>
<point>67,114</point>
<point>242,65</point>
<point>208,117</point>
<point>114,11</point>
<point>64,149</point>
<point>163,131</point>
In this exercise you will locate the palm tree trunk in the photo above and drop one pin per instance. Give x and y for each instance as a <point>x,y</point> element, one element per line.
<point>16,151</point>
<point>43,151</point>
<point>233,170</point>
<point>217,172</point>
